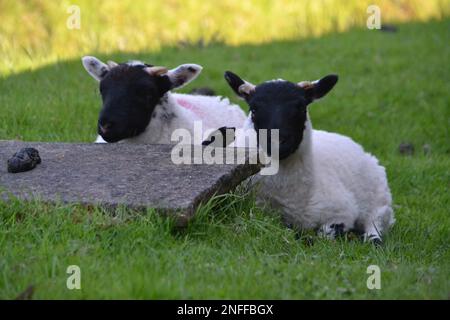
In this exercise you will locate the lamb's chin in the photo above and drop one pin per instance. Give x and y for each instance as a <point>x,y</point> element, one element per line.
<point>132,135</point>
<point>112,139</point>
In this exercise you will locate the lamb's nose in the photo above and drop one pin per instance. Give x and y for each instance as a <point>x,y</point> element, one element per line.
<point>105,127</point>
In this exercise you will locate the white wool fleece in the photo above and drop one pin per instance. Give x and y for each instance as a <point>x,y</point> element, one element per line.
<point>328,181</point>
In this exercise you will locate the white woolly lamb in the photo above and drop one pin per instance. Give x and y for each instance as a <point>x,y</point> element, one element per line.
<point>326,181</point>
<point>138,106</point>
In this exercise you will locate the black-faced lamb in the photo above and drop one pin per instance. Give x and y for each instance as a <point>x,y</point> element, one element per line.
<point>326,181</point>
<point>138,106</point>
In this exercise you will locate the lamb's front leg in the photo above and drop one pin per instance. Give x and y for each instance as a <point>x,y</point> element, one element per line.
<point>372,234</point>
<point>373,237</point>
<point>332,230</point>
<point>375,224</point>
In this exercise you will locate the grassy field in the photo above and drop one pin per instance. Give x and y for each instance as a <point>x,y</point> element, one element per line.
<point>35,32</point>
<point>393,88</point>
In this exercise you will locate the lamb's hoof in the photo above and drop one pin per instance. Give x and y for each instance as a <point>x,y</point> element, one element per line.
<point>224,134</point>
<point>339,229</point>
<point>374,239</point>
<point>332,231</point>
<point>377,242</point>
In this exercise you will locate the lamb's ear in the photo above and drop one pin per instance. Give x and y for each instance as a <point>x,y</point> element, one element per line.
<point>241,87</point>
<point>112,64</point>
<point>183,74</point>
<point>317,89</point>
<point>95,67</point>
<point>156,71</point>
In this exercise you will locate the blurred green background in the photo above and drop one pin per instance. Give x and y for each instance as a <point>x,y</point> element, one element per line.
<point>35,32</point>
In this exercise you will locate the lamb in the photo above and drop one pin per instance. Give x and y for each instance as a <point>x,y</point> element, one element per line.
<point>138,106</point>
<point>326,181</point>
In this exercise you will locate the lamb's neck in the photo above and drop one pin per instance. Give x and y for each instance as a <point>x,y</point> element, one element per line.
<point>300,163</point>
<point>166,108</point>
<point>159,129</point>
<point>292,186</point>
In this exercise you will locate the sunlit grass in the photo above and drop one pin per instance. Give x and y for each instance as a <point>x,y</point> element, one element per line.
<point>34,32</point>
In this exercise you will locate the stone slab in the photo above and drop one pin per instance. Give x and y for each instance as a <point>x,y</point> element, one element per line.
<point>111,175</point>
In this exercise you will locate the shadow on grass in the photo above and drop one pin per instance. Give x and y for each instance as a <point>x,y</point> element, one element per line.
<point>385,96</point>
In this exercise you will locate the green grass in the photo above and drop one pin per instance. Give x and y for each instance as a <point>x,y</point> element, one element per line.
<point>35,32</point>
<point>393,88</point>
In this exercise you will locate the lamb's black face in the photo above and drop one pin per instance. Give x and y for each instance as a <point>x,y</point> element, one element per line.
<point>131,91</point>
<point>280,105</point>
<point>129,94</point>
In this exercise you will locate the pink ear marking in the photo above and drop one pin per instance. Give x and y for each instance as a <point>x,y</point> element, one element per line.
<point>306,84</point>
<point>246,88</point>
<point>111,64</point>
<point>156,71</point>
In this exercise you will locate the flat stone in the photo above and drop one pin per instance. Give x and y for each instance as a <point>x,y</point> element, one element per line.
<point>111,175</point>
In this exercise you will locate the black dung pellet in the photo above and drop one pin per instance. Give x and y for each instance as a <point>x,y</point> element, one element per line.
<point>24,160</point>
